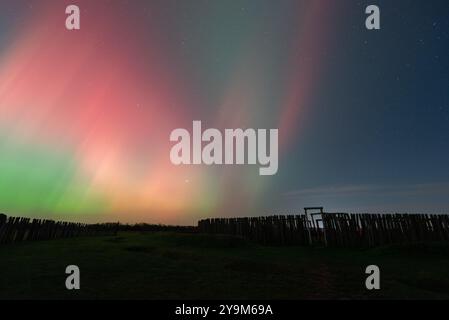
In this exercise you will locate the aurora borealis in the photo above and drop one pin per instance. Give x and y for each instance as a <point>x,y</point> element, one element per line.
<point>85,116</point>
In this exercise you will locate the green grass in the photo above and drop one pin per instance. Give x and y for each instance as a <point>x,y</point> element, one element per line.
<point>195,266</point>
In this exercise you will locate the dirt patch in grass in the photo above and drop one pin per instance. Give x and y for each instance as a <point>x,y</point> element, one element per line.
<point>211,241</point>
<point>248,266</point>
<point>142,249</point>
<point>116,240</point>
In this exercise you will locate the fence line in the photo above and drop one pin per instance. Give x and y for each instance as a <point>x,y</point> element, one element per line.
<point>17,229</point>
<point>333,229</point>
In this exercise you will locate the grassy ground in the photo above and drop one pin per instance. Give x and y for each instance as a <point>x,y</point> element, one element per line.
<point>191,266</point>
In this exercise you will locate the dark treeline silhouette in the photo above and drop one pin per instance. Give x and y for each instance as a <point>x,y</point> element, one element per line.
<point>333,229</point>
<point>144,227</point>
<point>17,229</point>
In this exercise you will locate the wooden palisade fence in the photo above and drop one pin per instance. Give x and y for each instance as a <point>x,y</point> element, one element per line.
<point>334,229</point>
<point>15,229</point>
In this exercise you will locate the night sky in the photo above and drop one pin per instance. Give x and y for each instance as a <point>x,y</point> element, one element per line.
<point>85,115</point>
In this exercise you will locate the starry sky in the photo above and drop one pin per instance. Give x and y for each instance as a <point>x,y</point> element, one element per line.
<point>86,115</point>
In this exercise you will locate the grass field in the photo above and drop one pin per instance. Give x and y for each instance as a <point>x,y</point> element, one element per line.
<point>194,266</point>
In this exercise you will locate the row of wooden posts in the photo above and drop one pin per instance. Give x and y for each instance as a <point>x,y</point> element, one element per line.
<point>320,228</point>
<point>333,229</point>
<point>17,229</point>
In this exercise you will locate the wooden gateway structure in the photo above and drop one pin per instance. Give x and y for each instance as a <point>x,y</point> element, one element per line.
<point>316,227</point>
